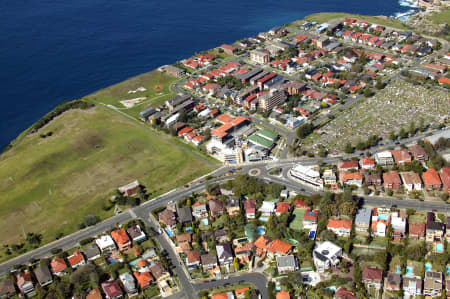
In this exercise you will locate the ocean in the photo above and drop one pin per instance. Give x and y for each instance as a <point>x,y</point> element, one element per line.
<point>53,50</point>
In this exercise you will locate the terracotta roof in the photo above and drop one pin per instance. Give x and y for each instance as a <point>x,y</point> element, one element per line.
<point>279,246</point>
<point>220,296</point>
<point>111,288</point>
<point>238,120</point>
<point>391,177</point>
<point>445,176</point>
<point>417,229</point>
<point>76,258</point>
<point>347,176</point>
<point>224,118</point>
<point>336,223</point>
<point>120,236</point>
<point>263,242</point>
<point>142,263</point>
<point>193,256</point>
<point>431,177</point>
<point>143,278</point>
<point>310,214</point>
<point>58,265</point>
<point>366,161</point>
<point>283,207</point>
<point>372,273</point>
<point>283,295</point>
<point>299,204</point>
<point>401,155</point>
<point>187,237</point>
<point>241,290</point>
<point>344,294</point>
<point>348,164</point>
<point>94,294</point>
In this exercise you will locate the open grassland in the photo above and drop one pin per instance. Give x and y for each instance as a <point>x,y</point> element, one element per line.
<point>47,185</point>
<point>327,16</point>
<point>389,110</point>
<point>157,85</point>
<point>442,17</point>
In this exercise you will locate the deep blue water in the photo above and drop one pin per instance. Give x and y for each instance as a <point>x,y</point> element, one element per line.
<point>54,50</point>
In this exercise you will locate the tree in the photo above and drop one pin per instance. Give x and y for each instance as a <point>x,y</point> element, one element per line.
<point>90,220</point>
<point>141,194</point>
<point>402,133</point>
<point>360,146</point>
<point>348,148</point>
<point>379,85</point>
<point>392,136</point>
<point>304,130</point>
<point>34,239</point>
<point>412,128</point>
<point>236,263</point>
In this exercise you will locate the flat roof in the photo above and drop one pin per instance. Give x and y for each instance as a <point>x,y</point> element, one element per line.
<point>267,134</point>
<point>263,142</point>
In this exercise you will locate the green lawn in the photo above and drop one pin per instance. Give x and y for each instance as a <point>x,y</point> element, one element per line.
<point>442,17</point>
<point>326,16</point>
<point>297,223</point>
<point>151,81</point>
<point>48,185</point>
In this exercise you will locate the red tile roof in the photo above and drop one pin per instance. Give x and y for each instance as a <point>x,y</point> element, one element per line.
<point>391,177</point>
<point>300,204</point>
<point>310,217</point>
<point>367,161</point>
<point>220,296</point>
<point>401,155</point>
<point>283,295</point>
<point>417,229</point>
<point>336,223</point>
<point>193,256</point>
<point>348,164</point>
<point>58,265</point>
<point>76,258</point>
<point>431,177</point>
<point>120,236</point>
<point>344,294</point>
<point>283,207</point>
<point>279,246</point>
<point>347,176</point>
<point>372,273</point>
<point>143,278</point>
<point>224,118</point>
<point>263,242</point>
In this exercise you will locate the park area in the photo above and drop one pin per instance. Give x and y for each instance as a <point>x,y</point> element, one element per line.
<point>389,110</point>
<point>151,88</point>
<point>53,178</point>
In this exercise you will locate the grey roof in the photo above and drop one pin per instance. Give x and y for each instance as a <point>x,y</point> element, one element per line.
<point>128,282</point>
<point>7,287</point>
<point>184,214</point>
<point>149,253</point>
<point>91,251</point>
<point>394,279</point>
<point>209,259</point>
<point>147,112</point>
<point>363,216</point>
<point>233,201</point>
<point>249,74</point>
<point>286,261</point>
<point>224,251</point>
<point>42,274</point>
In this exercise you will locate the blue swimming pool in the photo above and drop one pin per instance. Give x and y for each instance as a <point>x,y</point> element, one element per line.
<point>409,271</point>
<point>261,230</point>
<point>312,235</point>
<point>134,262</point>
<point>111,260</point>
<point>332,288</point>
<point>439,248</point>
<point>427,266</point>
<point>447,270</point>
<point>398,270</point>
<point>188,228</point>
<point>205,221</point>
<point>383,217</point>
<point>263,219</point>
<point>278,288</point>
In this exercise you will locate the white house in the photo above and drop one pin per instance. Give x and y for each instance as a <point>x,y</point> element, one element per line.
<point>384,158</point>
<point>267,208</point>
<point>325,255</point>
<point>106,244</point>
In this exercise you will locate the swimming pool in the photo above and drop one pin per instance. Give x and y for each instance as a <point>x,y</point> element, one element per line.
<point>312,235</point>
<point>261,230</point>
<point>205,221</point>
<point>332,288</point>
<point>111,260</point>
<point>447,270</point>
<point>439,248</point>
<point>398,270</point>
<point>427,266</point>
<point>134,262</point>
<point>383,217</point>
<point>263,219</point>
<point>188,228</point>
<point>409,271</point>
<point>293,242</point>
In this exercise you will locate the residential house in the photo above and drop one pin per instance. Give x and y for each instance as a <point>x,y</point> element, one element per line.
<point>300,204</point>
<point>224,254</point>
<point>167,217</point>
<point>434,230</point>
<point>372,277</point>
<point>144,279</point>
<point>129,284</point>
<point>367,163</point>
<point>384,158</point>
<point>431,180</point>
<point>329,178</point>
<point>243,253</point>
<point>411,180</point>
<point>393,282</point>
<point>184,214</point>
<point>159,272</point>
<point>192,259</point>
<point>250,208</point>
<point>184,242</point>
<point>106,244</point>
<point>233,205</point>
<point>278,248</point>
<point>351,178</point>
<point>7,288</point>
<point>121,238</point>
<point>130,189</point>
<point>433,284</point>
<point>362,220</point>
<point>340,227</point>
<point>392,180</point>
<point>25,284</point>
<point>326,255</point>
<point>209,261</point>
<point>310,218</point>
<point>282,207</point>
<point>224,295</point>
<point>398,223</point>
<point>199,210</point>
<point>43,275</point>
<point>221,235</point>
<point>228,49</point>
<point>92,252</point>
<point>418,153</point>
<point>342,293</point>
<point>286,264</point>
<point>112,289</point>
<point>417,230</point>
<point>372,179</point>
<point>260,56</point>
<point>215,207</point>
<point>267,208</point>
<point>379,224</point>
<point>348,165</point>
<point>136,233</point>
<point>412,286</point>
<point>58,266</point>
<point>76,259</point>
<point>401,156</point>
<point>445,178</point>
<point>283,295</point>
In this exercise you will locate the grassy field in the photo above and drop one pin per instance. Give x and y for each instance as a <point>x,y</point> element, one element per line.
<point>47,185</point>
<point>326,16</point>
<point>156,83</point>
<point>441,17</point>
